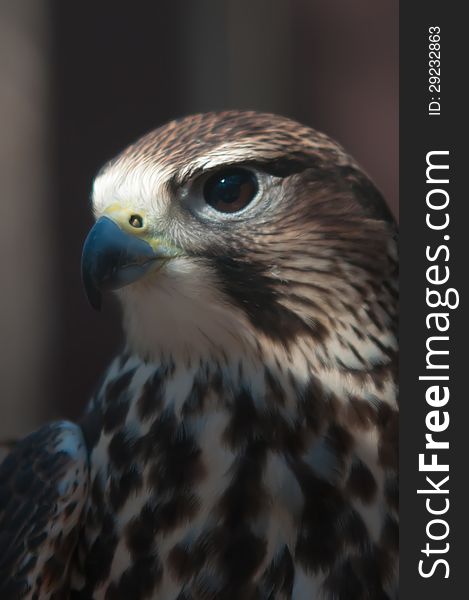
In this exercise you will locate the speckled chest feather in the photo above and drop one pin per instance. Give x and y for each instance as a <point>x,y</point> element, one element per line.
<point>234,481</point>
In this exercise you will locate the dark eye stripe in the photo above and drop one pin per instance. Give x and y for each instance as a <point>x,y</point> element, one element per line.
<point>284,167</point>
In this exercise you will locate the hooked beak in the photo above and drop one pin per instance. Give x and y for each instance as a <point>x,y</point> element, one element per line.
<point>113,258</point>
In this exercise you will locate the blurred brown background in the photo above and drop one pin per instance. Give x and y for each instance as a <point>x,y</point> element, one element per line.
<point>80,80</point>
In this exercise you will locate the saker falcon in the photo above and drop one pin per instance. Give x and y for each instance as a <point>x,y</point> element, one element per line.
<point>244,444</point>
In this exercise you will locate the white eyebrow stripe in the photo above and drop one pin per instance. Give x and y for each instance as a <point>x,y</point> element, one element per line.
<point>226,154</point>
<point>241,151</point>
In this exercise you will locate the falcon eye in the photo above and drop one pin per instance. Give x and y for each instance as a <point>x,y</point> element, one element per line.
<point>136,221</point>
<point>230,190</point>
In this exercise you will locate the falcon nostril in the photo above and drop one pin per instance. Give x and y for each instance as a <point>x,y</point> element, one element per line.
<point>136,221</point>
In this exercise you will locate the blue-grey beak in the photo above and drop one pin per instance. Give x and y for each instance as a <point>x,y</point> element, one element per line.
<point>112,259</point>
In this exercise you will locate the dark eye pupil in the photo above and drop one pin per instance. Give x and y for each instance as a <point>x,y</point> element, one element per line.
<point>230,190</point>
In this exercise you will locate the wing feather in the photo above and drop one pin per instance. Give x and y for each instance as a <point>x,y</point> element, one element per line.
<point>43,488</point>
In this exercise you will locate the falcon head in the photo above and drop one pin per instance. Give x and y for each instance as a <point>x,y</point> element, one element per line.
<point>236,231</point>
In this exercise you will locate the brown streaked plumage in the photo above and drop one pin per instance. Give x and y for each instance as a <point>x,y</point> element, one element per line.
<point>245,443</point>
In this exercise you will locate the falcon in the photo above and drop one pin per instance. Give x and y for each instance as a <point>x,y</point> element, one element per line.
<point>244,443</point>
